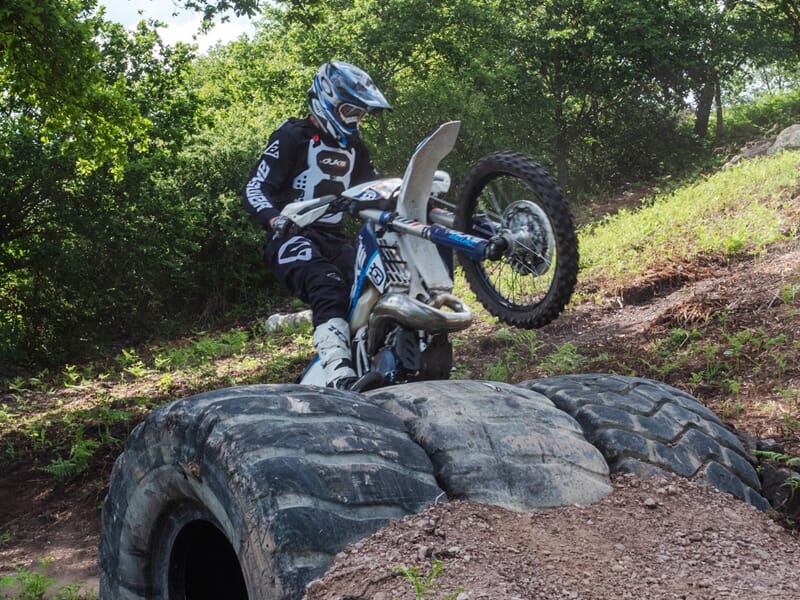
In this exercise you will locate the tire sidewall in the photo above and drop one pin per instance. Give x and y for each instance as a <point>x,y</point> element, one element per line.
<point>286,474</point>
<point>161,505</point>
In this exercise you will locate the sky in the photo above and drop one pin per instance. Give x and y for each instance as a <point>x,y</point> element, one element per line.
<point>180,27</point>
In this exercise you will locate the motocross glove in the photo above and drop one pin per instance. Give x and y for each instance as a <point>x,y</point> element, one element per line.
<point>283,227</point>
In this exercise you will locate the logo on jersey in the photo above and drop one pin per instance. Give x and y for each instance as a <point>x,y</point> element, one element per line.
<point>333,163</point>
<point>272,150</point>
<point>296,249</point>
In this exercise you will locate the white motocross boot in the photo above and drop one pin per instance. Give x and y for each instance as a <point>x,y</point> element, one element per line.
<point>332,341</point>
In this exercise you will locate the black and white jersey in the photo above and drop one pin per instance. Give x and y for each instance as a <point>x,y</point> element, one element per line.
<point>301,163</point>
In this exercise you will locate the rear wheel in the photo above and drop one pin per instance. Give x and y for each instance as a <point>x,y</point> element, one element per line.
<point>533,282</point>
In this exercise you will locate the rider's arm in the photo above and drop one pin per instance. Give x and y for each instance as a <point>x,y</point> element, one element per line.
<point>270,178</point>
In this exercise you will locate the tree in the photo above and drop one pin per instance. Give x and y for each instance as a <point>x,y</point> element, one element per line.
<point>49,73</point>
<point>86,240</point>
<point>434,62</point>
<point>607,78</point>
<point>718,48</point>
<point>122,158</point>
<point>213,8</point>
<point>783,16</point>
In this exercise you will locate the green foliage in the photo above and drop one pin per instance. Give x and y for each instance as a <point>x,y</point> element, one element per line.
<point>566,359</point>
<point>521,350</point>
<point>786,459</point>
<point>34,585</point>
<point>425,583</point>
<point>498,371</point>
<point>86,244</point>
<point>792,462</point>
<point>29,585</point>
<point>49,57</point>
<point>764,116</point>
<point>212,8</point>
<point>78,460</point>
<point>725,356</point>
<point>122,158</point>
<point>205,349</point>
<point>672,350</point>
<point>789,293</point>
<point>793,483</point>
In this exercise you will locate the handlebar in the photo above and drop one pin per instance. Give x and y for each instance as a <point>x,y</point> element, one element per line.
<point>296,216</point>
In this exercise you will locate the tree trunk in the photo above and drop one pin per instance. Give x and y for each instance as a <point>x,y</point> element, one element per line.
<point>702,114</point>
<point>562,162</point>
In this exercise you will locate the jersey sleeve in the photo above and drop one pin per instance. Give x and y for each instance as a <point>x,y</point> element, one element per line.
<point>270,177</point>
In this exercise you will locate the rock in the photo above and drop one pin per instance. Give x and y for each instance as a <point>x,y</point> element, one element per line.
<point>788,139</point>
<point>280,321</point>
<point>750,151</point>
<point>777,482</point>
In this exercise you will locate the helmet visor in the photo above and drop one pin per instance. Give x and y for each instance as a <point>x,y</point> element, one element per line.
<point>350,114</point>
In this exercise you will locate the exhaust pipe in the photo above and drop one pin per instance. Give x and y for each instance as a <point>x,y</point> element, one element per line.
<point>411,313</point>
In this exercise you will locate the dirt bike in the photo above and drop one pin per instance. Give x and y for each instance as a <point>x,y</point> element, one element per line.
<point>510,227</point>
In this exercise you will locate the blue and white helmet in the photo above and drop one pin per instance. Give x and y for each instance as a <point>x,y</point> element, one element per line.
<point>339,97</point>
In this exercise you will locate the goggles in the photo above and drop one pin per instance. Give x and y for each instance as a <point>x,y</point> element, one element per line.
<point>350,114</point>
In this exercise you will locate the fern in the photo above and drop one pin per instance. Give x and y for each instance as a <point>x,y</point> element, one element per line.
<point>78,462</point>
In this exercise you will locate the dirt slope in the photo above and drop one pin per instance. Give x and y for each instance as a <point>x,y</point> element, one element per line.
<point>657,539</point>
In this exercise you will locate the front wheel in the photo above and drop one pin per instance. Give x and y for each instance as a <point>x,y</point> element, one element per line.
<point>532,283</point>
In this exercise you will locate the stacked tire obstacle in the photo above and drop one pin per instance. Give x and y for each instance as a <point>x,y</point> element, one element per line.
<point>249,492</point>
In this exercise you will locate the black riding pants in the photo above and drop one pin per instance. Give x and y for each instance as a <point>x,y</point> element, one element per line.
<point>317,267</point>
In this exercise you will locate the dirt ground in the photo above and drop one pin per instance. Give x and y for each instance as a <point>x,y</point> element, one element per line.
<point>655,539</point>
<point>648,539</point>
<point>52,529</point>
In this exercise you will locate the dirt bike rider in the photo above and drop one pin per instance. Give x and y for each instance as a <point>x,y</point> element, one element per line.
<point>308,158</point>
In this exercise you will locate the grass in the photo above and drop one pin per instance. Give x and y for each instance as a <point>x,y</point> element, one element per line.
<point>62,422</point>
<point>733,212</point>
<point>518,348</point>
<point>34,585</point>
<point>425,583</point>
<point>65,419</point>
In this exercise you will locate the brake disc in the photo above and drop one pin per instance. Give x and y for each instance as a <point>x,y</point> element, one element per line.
<point>532,252</point>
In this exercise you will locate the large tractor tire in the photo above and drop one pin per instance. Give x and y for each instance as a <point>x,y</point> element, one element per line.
<point>499,444</point>
<point>249,492</point>
<point>649,428</point>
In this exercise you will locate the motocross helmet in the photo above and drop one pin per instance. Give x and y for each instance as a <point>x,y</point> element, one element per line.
<point>339,97</point>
